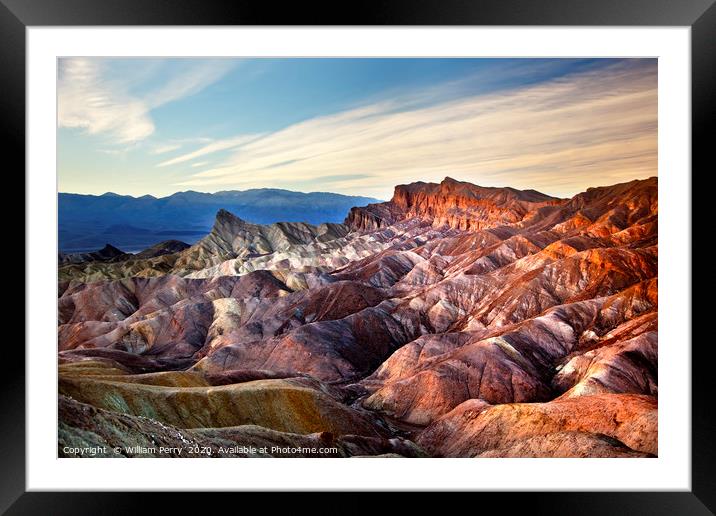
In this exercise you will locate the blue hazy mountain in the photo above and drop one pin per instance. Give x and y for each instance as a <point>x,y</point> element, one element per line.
<point>88,222</point>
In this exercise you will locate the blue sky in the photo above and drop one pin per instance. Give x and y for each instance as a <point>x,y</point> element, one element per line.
<point>356,126</point>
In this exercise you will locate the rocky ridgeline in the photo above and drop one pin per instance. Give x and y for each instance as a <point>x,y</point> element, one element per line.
<point>454,204</point>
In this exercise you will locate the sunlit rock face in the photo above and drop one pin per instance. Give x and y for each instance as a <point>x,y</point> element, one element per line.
<point>474,321</point>
<point>606,425</point>
<point>454,204</point>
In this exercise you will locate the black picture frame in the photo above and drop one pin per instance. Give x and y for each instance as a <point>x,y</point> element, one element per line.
<point>700,15</point>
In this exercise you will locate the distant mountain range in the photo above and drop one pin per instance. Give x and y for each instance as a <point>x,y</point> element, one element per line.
<point>88,222</point>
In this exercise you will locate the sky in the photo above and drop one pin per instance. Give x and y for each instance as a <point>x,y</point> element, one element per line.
<point>138,126</point>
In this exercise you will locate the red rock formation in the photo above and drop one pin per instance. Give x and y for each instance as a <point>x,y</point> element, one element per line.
<point>452,203</point>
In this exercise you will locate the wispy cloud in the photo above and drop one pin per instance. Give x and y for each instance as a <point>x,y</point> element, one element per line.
<point>199,164</point>
<point>190,81</point>
<point>590,128</point>
<point>164,148</point>
<point>90,99</point>
<point>87,101</point>
<point>114,152</point>
<point>219,145</point>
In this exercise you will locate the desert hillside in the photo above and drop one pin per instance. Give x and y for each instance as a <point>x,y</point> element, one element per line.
<point>452,321</point>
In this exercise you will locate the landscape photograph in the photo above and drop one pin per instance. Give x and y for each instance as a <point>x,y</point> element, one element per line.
<point>357,257</point>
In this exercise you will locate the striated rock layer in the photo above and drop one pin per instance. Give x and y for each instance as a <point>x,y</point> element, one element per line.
<point>452,203</point>
<point>475,321</point>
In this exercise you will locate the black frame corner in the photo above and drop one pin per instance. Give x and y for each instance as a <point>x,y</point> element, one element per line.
<point>700,15</point>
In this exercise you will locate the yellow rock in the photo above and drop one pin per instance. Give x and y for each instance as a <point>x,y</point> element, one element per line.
<point>283,405</point>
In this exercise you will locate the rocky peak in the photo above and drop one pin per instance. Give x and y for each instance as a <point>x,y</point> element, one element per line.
<point>109,251</point>
<point>226,217</point>
<point>106,254</point>
<point>227,226</point>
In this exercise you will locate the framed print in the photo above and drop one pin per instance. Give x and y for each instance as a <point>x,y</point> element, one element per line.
<point>261,251</point>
